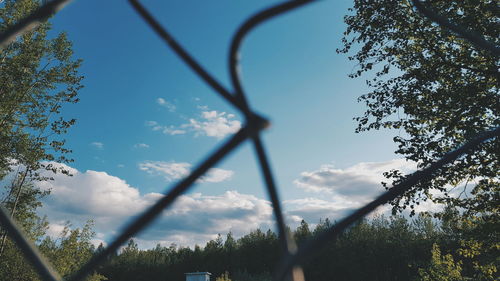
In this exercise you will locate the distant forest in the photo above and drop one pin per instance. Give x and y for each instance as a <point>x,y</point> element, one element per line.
<point>383,248</point>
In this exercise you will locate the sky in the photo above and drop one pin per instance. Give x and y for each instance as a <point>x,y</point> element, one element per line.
<point>145,120</point>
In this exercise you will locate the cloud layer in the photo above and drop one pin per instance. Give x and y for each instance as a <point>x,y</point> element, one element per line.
<point>341,191</point>
<point>111,201</point>
<point>360,181</point>
<point>199,217</point>
<point>196,218</point>
<point>192,219</point>
<point>176,170</point>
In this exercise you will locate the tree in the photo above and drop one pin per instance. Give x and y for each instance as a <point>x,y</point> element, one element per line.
<point>441,268</point>
<point>475,244</point>
<point>437,87</point>
<point>440,91</point>
<point>229,252</point>
<point>38,76</point>
<point>223,277</point>
<point>71,250</point>
<point>12,261</point>
<point>302,233</point>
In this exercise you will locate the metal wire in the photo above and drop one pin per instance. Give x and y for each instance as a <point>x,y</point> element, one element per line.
<point>254,123</point>
<point>31,21</point>
<point>397,190</point>
<point>142,221</point>
<point>44,269</point>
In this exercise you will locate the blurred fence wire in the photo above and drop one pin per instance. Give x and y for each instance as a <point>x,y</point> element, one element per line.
<point>289,268</point>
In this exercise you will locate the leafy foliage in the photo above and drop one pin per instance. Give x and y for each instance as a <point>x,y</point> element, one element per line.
<point>68,253</point>
<point>442,268</point>
<point>436,87</point>
<point>13,266</point>
<point>38,76</point>
<point>71,250</point>
<point>439,91</point>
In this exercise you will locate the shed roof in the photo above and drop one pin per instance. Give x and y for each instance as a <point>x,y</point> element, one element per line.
<point>198,273</point>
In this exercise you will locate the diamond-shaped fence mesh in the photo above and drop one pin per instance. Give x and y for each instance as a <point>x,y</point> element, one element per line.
<point>289,268</point>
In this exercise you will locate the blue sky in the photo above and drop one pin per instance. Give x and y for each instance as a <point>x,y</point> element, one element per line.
<point>145,119</point>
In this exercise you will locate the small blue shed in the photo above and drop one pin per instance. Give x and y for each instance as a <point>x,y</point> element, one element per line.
<point>198,276</point>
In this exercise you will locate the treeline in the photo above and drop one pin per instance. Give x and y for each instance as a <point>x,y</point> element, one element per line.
<point>67,253</point>
<point>383,249</point>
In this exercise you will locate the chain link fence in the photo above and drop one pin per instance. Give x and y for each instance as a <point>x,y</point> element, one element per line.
<point>289,268</point>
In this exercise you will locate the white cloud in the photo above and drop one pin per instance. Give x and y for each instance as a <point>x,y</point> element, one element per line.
<point>215,124</point>
<point>217,175</point>
<point>176,170</point>
<point>345,190</point>
<point>55,229</point>
<point>170,170</point>
<point>313,209</point>
<point>169,106</point>
<point>111,202</point>
<point>171,130</point>
<point>209,123</point>
<point>93,193</point>
<point>141,145</point>
<point>98,145</point>
<point>359,182</point>
<point>196,218</point>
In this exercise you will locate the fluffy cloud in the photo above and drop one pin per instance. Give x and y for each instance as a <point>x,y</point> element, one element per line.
<point>169,106</point>
<point>175,170</point>
<point>169,130</point>
<point>93,193</point>
<point>359,182</point>
<point>345,190</point>
<point>110,202</point>
<point>210,123</point>
<point>196,218</point>
<point>217,175</point>
<point>215,124</point>
<point>199,217</point>
<point>170,170</point>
